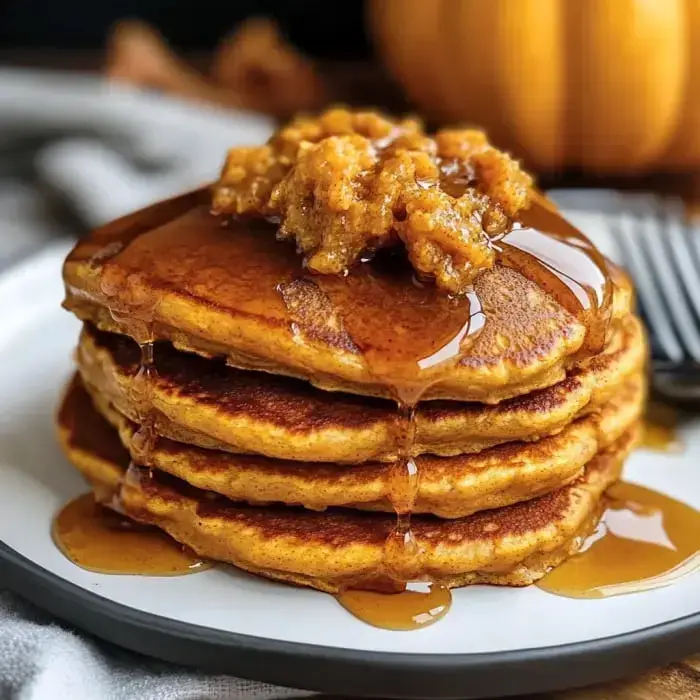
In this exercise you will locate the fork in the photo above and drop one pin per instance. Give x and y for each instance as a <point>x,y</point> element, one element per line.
<point>661,251</point>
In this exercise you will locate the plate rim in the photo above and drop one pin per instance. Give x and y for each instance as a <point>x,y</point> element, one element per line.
<point>335,669</point>
<point>352,672</point>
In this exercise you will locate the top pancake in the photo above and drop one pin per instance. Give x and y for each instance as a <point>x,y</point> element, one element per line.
<point>234,291</point>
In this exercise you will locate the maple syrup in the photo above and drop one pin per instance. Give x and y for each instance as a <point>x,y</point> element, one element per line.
<point>140,390</point>
<point>644,540</point>
<point>549,251</point>
<point>98,539</point>
<point>409,334</point>
<point>660,428</point>
<point>420,605</point>
<point>134,313</point>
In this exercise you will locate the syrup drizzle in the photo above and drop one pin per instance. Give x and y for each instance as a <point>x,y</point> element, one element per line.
<point>99,539</point>
<point>135,317</point>
<point>644,540</point>
<point>407,347</point>
<point>549,251</point>
<point>408,334</point>
<point>421,345</point>
<point>140,390</point>
<point>134,314</point>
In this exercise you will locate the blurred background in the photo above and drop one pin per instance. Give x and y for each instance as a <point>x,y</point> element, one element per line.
<point>320,28</point>
<point>107,106</point>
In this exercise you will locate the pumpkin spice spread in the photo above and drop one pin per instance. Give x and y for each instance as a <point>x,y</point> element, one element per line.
<point>345,184</point>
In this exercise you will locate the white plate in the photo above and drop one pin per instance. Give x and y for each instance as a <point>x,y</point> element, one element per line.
<point>488,640</point>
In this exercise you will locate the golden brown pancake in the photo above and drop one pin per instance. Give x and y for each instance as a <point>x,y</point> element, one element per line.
<point>514,545</point>
<point>236,292</point>
<point>450,487</point>
<point>206,403</point>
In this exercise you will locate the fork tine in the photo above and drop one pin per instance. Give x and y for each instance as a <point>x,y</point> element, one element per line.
<point>650,301</point>
<point>681,238</point>
<point>656,240</point>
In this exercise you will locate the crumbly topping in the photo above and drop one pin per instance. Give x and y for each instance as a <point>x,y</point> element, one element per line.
<point>346,183</point>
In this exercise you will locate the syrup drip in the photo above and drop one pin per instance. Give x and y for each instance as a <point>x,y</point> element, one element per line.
<point>98,539</point>
<point>144,439</point>
<point>420,605</point>
<point>660,429</point>
<point>644,540</point>
<point>549,251</point>
<point>134,314</point>
<point>402,553</point>
<point>409,335</point>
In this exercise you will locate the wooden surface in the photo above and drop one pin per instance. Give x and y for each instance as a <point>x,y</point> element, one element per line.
<point>680,681</point>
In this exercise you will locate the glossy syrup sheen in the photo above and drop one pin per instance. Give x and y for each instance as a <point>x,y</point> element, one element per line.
<point>414,608</point>
<point>409,334</point>
<point>644,540</point>
<point>194,255</point>
<point>549,251</point>
<point>384,309</point>
<point>98,539</point>
<point>411,339</point>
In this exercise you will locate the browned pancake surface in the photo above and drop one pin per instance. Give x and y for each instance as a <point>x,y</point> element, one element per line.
<point>450,487</point>
<point>207,403</point>
<point>514,545</point>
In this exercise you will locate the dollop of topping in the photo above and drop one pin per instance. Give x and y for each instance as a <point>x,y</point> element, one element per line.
<point>345,184</point>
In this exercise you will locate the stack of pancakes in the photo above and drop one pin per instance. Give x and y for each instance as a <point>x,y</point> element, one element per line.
<point>258,436</point>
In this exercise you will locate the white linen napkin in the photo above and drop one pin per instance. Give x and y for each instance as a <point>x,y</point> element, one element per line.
<point>42,660</point>
<point>113,149</point>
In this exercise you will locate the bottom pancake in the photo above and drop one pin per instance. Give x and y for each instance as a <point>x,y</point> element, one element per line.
<point>514,545</point>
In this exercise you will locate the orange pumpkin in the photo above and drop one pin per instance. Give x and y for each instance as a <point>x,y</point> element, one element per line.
<point>602,85</point>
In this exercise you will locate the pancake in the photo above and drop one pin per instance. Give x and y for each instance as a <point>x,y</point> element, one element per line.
<point>449,487</point>
<point>236,292</point>
<point>206,403</point>
<point>515,545</point>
